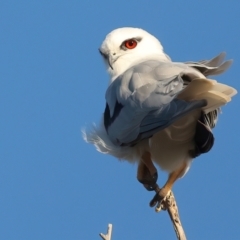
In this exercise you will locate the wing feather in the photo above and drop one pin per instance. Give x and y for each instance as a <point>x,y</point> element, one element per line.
<point>147,96</point>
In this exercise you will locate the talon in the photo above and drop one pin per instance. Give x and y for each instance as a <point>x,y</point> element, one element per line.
<point>147,173</point>
<point>153,202</point>
<point>158,207</point>
<point>147,179</point>
<point>161,205</point>
<point>150,187</point>
<point>158,199</point>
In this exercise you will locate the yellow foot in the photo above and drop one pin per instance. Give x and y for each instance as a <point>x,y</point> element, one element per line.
<point>159,199</point>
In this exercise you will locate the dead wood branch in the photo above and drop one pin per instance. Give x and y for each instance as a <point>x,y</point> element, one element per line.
<point>108,236</point>
<point>170,205</point>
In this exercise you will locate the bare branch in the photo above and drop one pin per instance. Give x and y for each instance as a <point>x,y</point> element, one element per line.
<point>108,236</point>
<point>170,205</point>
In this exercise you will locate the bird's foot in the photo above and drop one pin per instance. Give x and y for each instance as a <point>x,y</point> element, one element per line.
<point>149,181</point>
<point>159,200</point>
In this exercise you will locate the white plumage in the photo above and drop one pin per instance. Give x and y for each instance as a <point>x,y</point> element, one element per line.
<point>154,105</point>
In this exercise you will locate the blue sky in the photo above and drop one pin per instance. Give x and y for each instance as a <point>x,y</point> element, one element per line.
<point>52,83</point>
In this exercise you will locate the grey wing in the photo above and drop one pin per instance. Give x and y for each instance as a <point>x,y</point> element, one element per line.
<point>143,101</point>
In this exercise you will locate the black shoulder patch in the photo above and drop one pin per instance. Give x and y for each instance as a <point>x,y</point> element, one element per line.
<point>108,120</point>
<point>204,138</point>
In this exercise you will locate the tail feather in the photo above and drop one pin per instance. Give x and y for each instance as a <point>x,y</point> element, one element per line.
<point>223,88</point>
<point>214,66</point>
<point>215,93</point>
<point>214,62</point>
<point>214,100</point>
<point>196,87</point>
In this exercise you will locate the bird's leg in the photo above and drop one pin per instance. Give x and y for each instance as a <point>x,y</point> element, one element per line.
<point>147,173</point>
<point>164,191</point>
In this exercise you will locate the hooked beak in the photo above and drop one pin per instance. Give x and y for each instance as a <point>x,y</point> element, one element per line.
<point>109,58</point>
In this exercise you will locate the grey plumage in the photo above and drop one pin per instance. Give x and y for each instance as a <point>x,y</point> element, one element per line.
<point>155,105</point>
<point>147,93</point>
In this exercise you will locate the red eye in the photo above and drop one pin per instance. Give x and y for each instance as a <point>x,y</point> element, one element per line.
<point>130,44</point>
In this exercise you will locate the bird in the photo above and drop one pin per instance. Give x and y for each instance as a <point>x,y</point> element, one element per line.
<point>158,113</point>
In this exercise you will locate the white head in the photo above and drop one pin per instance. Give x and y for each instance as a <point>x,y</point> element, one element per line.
<point>125,47</point>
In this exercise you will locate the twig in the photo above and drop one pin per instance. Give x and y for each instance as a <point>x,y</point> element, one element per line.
<point>108,236</point>
<point>170,205</point>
